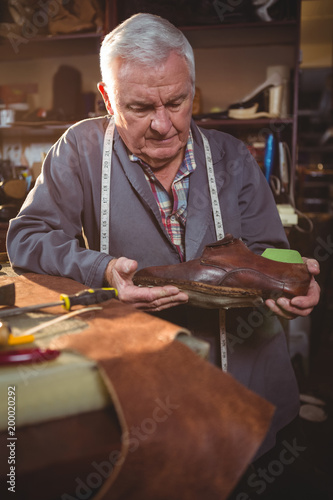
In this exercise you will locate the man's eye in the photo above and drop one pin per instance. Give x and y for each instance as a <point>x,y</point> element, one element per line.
<point>138,109</point>
<point>174,105</point>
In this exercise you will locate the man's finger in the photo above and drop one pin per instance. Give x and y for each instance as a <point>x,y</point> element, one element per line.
<point>125,266</point>
<point>280,311</point>
<point>313,265</point>
<point>162,302</point>
<point>147,295</point>
<point>283,307</point>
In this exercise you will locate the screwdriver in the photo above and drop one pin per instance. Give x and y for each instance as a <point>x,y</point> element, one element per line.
<point>84,298</point>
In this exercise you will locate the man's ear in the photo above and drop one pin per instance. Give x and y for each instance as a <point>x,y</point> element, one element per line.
<point>102,88</point>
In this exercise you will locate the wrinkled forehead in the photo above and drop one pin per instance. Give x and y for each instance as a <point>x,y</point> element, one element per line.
<point>124,69</point>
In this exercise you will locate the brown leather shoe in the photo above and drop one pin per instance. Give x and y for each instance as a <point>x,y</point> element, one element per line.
<point>228,274</point>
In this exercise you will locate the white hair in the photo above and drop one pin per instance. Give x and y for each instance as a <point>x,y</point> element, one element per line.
<point>146,39</point>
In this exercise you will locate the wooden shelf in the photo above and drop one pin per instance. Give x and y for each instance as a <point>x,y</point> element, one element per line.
<point>38,129</point>
<point>273,43</point>
<point>73,44</point>
<point>238,35</point>
<point>316,149</point>
<point>51,129</point>
<point>232,26</point>
<point>259,122</point>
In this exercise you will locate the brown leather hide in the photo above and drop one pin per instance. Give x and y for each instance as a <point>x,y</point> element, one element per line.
<point>189,430</point>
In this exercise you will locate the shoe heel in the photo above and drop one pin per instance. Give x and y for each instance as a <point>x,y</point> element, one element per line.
<point>251,107</point>
<point>275,101</point>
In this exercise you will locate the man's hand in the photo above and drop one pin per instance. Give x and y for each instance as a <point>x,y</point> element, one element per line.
<point>119,274</point>
<point>298,306</point>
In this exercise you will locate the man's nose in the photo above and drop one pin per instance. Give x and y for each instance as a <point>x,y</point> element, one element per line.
<point>161,122</point>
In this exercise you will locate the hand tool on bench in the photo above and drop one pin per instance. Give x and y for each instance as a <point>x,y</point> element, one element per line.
<point>7,337</point>
<point>84,298</point>
<point>36,355</point>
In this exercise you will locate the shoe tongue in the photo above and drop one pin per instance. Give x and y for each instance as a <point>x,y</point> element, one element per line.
<point>214,249</point>
<point>225,241</point>
<point>283,255</point>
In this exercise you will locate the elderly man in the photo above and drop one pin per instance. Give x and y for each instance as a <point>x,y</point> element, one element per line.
<point>157,208</point>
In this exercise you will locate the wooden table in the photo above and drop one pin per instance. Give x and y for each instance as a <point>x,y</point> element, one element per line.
<point>57,452</point>
<point>177,424</point>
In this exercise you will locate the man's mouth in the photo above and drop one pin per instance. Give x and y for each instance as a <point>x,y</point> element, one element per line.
<point>161,140</point>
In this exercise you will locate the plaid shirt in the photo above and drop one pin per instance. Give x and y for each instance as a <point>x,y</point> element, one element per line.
<point>173,208</point>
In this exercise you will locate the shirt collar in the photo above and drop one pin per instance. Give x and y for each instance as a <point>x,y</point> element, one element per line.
<point>187,166</point>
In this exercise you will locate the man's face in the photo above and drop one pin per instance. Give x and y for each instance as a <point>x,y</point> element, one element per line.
<point>152,108</point>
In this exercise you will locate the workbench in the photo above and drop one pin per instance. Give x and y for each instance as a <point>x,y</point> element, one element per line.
<point>126,408</point>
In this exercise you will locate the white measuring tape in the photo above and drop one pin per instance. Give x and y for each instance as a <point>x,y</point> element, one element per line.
<point>213,190</point>
<point>219,234</point>
<point>105,187</point>
<point>105,211</point>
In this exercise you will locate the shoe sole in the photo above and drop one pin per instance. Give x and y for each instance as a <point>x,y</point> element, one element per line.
<point>208,296</point>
